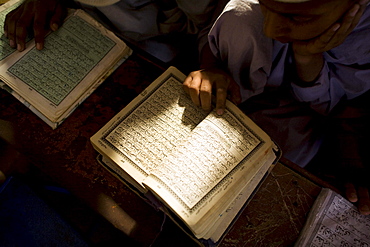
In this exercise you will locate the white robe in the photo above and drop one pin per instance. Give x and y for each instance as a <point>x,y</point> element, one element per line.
<point>293,116</point>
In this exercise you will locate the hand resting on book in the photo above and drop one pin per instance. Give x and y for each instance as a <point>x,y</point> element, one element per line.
<point>200,84</point>
<point>33,18</point>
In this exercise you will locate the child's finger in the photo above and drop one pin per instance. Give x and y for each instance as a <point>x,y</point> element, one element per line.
<point>357,17</point>
<point>186,84</point>
<point>351,192</point>
<point>326,37</point>
<point>11,24</point>
<point>234,90</point>
<point>205,94</point>
<point>349,20</point>
<point>39,26</point>
<point>191,86</point>
<point>58,17</point>
<point>221,95</point>
<point>364,201</point>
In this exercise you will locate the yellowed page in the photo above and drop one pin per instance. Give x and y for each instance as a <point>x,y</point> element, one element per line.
<point>142,135</point>
<point>205,174</point>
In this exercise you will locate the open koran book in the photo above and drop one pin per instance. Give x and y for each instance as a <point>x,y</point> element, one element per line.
<point>334,221</point>
<point>75,60</point>
<point>202,167</point>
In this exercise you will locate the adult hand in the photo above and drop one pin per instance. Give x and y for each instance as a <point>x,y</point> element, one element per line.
<point>35,16</point>
<point>335,35</point>
<point>200,84</point>
<point>359,195</point>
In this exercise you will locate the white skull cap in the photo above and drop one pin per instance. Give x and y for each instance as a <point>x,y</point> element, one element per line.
<point>98,3</point>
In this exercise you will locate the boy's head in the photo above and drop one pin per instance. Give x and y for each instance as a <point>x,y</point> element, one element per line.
<point>293,20</point>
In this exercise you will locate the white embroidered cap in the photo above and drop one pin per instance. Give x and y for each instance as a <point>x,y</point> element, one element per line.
<point>98,3</point>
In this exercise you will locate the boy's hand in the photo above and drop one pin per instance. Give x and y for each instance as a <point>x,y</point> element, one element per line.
<point>200,84</point>
<point>335,35</point>
<point>359,195</point>
<point>39,16</point>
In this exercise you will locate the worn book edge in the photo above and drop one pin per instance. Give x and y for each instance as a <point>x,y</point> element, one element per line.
<point>47,111</point>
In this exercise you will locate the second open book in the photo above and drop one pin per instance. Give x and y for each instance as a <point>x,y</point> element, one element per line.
<point>202,167</point>
<point>76,59</point>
